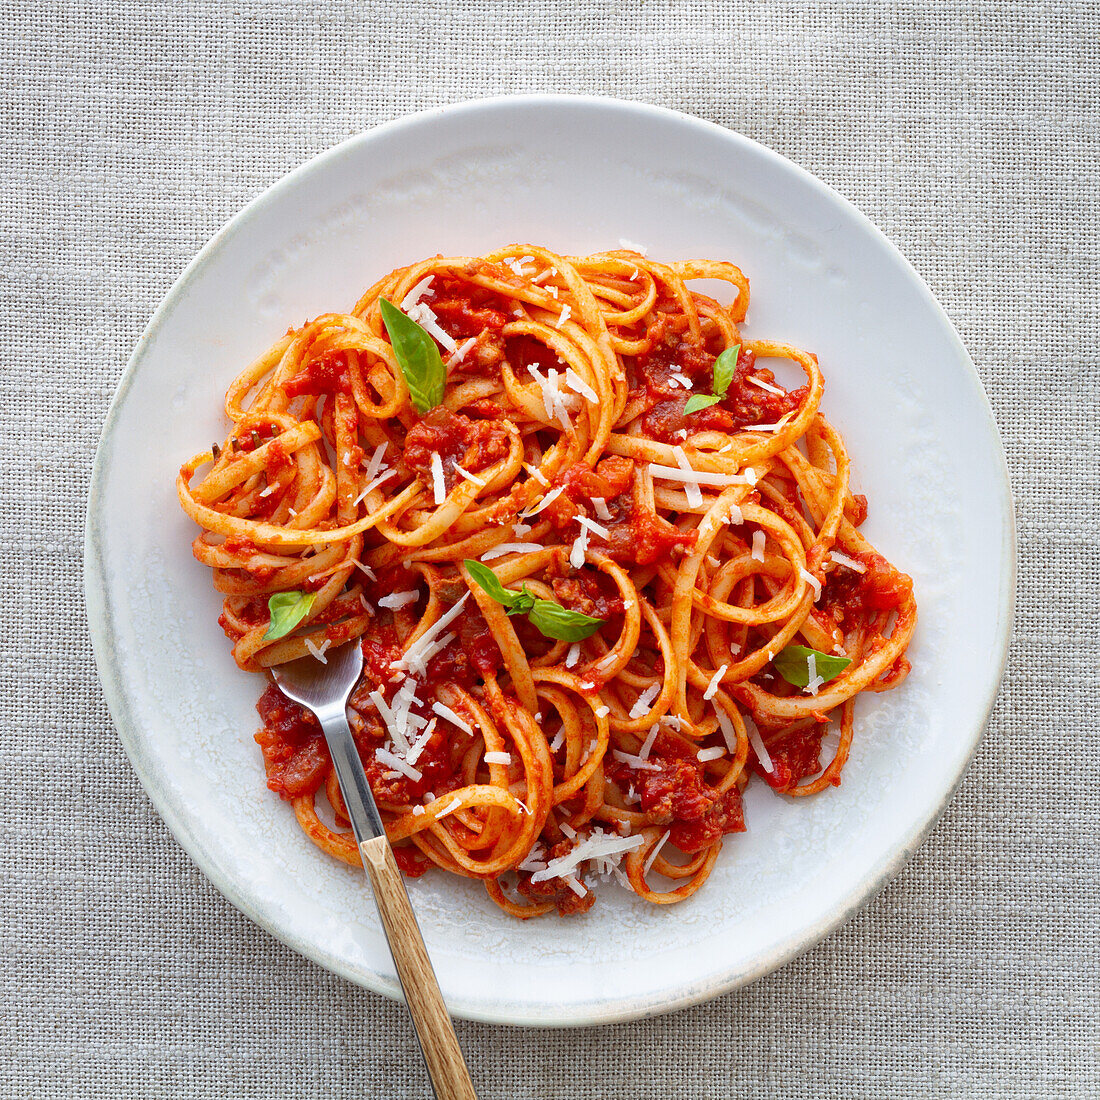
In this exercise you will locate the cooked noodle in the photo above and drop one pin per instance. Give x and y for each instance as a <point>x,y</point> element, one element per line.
<point>561,458</point>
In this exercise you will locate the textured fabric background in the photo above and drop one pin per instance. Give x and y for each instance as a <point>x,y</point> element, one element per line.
<point>132,130</point>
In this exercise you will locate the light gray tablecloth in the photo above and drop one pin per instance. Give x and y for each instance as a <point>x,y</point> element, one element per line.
<point>133,130</point>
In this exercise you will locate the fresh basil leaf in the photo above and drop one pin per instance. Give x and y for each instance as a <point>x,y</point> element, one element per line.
<point>791,663</point>
<point>549,618</point>
<point>487,579</point>
<point>417,356</point>
<point>699,401</point>
<point>554,621</point>
<point>287,610</point>
<point>724,367</point>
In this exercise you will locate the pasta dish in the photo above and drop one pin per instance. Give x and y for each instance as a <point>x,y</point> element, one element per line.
<point>604,568</point>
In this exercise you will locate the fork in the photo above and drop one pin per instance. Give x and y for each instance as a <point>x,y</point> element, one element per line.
<point>323,687</point>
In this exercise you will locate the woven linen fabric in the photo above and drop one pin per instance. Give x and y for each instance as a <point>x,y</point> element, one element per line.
<point>967,132</point>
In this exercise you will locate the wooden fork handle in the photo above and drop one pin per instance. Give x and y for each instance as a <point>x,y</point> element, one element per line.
<point>443,1055</point>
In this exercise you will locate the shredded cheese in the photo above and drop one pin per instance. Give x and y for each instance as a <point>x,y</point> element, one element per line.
<point>574,655</point>
<point>536,473</point>
<point>580,545</point>
<point>598,845</point>
<point>644,702</point>
<point>319,654</point>
<point>498,758</point>
<point>416,294</point>
<point>461,352</point>
<point>635,761</point>
<point>384,756</point>
<point>758,545</point>
<point>511,548</point>
<point>468,476</point>
<point>418,654</point>
<point>765,386</point>
<point>716,752</point>
<point>399,599</point>
<point>439,486</point>
<point>715,681</point>
<point>546,501</point>
<point>602,510</point>
<point>691,487</point>
<point>849,563</point>
<point>698,477</point>
<point>594,527</point>
<point>652,857</point>
<point>454,719</point>
<point>577,383</point>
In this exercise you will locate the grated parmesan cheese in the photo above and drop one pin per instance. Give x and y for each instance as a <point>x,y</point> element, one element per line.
<point>577,383</point>
<point>598,845</point>
<point>452,717</point>
<point>574,655</point>
<point>644,701</point>
<point>511,548</point>
<point>602,510</point>
<point>439,486</point>
<point>416,293</point>
<point>461,352</point>
<point>691,487</point>
<point>652,857</point>
<point>758,545</point>
<point>812,581</point>
<point>498,758</point>
<point>536,473</point>
<point>704,756</point>
<point>699,477</point>
<point>399,599</point>
<point>594,527</point>
<point>576,554</point>
<point>468,476</point>
<point>546,501</point>
<point>765,386</point>
<point>319,654</point>
<point>715,680</point>
<point>384,756</point>
<point>847,562</point>
<point>634,761</point>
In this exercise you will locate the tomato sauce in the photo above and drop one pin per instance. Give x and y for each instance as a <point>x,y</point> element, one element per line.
<point>635,535</point>
<point>326,374</point>
<point>849,596</point>
<point>744,404</point>
<point>796,757</point>
<point>677,792</point>
<point>473,444</point>
<point>295,754</point>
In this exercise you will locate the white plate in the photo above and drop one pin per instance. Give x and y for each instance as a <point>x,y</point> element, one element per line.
<point>576,174</point>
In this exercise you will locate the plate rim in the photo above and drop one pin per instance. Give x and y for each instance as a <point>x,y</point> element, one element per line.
<point>623,1009</point>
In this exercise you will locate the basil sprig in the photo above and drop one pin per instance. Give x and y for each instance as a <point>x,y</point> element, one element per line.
<point>724,367</point>
<point>549,618</point>
<point>417,356</point>
<point>287,610</point>
<point>792,664</point>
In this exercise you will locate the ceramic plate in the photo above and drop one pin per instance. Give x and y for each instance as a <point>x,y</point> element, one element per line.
<point>578,175</point>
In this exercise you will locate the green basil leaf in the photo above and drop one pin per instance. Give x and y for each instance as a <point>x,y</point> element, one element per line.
<point>724,367</point>
<point>417,356</point>
<point>287,610</point>
<point>791,663</point>
<point>487,579</point>
<point>554,621</point>
<point>699,401</point>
